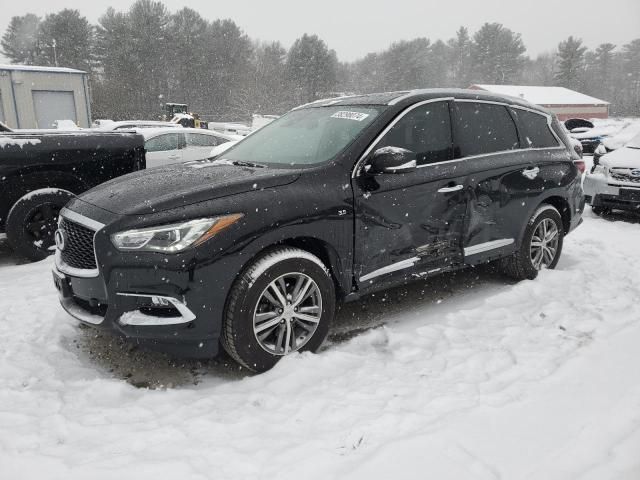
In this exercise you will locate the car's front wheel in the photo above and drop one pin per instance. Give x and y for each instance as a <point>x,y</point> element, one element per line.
<point>283,303</point>
<point>541,245</point>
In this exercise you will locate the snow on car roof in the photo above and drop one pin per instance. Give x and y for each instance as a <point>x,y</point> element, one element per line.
<point>34,68</point>
<point>543,95</point>
<point>148,133</point>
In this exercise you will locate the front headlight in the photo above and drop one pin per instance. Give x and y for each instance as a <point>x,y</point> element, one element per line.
<point>173,238</point>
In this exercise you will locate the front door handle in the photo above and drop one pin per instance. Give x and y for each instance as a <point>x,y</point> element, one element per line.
<point>453,188</point>
<point>531,172</point>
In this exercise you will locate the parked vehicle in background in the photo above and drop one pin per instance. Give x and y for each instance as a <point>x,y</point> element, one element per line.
<point>230,128</point>
<point>258,121</point>
<point>41,172</point>
<point>614,182</point>
<point>334,200</point>
<point>131,124</point>
<point>583,131</point>
<point>220,149</point>
<point>174,145</point>
<point>629,130</point>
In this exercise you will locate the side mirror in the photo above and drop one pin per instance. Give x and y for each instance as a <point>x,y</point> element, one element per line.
<point>392,160</point>
<point>598,153</point>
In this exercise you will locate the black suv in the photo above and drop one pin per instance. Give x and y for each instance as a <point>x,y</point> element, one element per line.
<point>336,199</point>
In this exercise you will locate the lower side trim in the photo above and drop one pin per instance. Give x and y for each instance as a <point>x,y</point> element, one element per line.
<point>394,267</point>
<point>485,247</point>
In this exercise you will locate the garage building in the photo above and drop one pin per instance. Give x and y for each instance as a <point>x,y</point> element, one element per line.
<point>565,103</point>
<point>36,97</point>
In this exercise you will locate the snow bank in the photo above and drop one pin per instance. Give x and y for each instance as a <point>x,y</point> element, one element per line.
<point>465,376</point>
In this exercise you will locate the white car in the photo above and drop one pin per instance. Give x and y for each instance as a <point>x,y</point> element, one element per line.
<point>614,182</point>
<point>108,125</point>
<point>165,146</point>
<point>222,148</point>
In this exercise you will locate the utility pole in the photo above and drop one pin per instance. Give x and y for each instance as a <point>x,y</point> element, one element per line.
<point>55,55</point>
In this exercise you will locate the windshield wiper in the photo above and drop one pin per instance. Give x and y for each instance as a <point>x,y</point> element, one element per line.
<point>241,163</point>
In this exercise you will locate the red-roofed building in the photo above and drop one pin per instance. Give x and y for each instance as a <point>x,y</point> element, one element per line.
<point>563,102</point>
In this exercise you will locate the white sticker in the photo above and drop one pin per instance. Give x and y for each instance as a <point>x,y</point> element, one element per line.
<point>357,116</point>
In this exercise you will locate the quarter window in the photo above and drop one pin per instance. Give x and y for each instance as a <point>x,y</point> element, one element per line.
<point>202,140</point>
<point>483,128</point>
<point>162,143</point>
<point>426,131</point>
<point>534,129</point>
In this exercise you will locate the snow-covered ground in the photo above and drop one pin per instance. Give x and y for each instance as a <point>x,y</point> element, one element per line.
<point>466,376</point>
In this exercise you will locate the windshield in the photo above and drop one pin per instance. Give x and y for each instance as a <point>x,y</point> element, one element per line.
<point>305,137</point>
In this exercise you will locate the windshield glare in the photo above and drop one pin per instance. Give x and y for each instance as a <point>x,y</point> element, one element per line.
<point>305,137</point>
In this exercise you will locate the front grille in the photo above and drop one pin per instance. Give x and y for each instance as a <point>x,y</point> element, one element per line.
<point>624,175</point>
<point>78,251</point>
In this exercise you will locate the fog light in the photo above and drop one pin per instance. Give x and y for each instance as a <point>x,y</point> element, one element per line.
<point>160,302</point>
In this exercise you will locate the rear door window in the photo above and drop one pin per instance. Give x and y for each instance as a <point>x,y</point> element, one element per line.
<point>534,129</point>
<point>163,143</point>
<point>426,131</point>
<point>483,128</point>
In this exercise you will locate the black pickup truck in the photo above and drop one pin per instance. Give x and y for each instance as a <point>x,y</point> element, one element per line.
<point>41,171</point>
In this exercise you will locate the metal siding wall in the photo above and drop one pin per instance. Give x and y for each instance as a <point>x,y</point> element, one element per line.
<point>25,82</point>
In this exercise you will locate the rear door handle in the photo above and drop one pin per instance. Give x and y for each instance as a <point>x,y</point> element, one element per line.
<point>531,172</point>
<point>453,188</point>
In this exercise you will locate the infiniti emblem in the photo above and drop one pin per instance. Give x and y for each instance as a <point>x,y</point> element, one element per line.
<point>61,239</point>
<point>635,173</point>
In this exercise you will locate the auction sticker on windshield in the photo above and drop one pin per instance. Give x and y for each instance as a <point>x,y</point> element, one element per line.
<point>357,116</point>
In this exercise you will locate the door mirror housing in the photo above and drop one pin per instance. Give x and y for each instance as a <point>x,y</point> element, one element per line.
<point>392,160</point>
<point>599,152</point>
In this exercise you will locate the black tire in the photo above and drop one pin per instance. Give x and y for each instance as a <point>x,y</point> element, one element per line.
<point>32,222</point>
<point>238,337</point>
<point>520,265</point>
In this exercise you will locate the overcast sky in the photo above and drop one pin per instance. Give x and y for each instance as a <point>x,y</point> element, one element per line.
<point>354,28</point>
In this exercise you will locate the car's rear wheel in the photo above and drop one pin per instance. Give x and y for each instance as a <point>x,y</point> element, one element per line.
<point>283,303</point>
<point>33,220</point>
<point>541,245</point>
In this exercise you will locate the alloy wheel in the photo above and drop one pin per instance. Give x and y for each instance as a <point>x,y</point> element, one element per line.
<point>544,244</point>
<point>287,313</point>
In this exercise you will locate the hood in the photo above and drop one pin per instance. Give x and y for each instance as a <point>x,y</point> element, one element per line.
<point>163,188</point>
<point>625,157</point>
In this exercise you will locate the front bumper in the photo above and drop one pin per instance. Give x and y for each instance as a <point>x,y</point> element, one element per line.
<point>599,192</point>
<point>152,320</point>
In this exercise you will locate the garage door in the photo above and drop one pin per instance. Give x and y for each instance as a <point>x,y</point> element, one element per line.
<point>51,106</point>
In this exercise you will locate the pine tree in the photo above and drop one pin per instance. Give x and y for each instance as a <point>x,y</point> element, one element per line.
<point>20,41</point>
<point>570,63</point>
<point>631,74</point>
<point>460,48</point>
<point>311,68</point>
<point>66,39</point>
<point>187,34</point>
<point>498,55</point>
